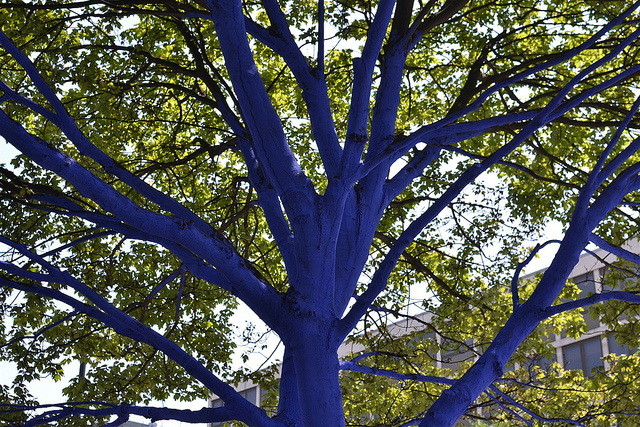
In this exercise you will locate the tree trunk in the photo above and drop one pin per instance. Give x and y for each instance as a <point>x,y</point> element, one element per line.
<point>289,406</point>
<point>316,369</point>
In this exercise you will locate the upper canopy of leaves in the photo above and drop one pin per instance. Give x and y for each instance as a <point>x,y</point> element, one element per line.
<point>146,83</point>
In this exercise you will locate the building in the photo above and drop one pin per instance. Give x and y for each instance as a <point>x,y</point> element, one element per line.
<point>585,353</point>
<point>136,424</point>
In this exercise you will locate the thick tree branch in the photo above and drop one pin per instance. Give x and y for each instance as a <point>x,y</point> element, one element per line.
<point>68,126</point>
<point>381,276</point>
<point>632,297</point>
<point>615,250</point>
<point>174,231</point>
<point>363,68</point>
<point>103,409</point>
<point>447,133</point>
<point>551,112</point>
<point>526,317</point>
<point>272,151</point>
<point>312,82</point>
<point>270,203</point>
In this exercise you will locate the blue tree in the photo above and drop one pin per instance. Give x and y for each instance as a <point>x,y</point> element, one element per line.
<point>314,162</point>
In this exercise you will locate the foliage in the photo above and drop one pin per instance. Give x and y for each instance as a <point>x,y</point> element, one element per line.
<point>323,163</point>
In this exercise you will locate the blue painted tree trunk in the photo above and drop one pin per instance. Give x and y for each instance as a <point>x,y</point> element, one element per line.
<point>325,233</point>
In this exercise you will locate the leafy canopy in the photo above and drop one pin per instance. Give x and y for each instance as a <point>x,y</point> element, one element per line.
<point>432,146</point>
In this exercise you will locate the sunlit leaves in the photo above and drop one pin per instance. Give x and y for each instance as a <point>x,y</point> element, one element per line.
<point>147,84</point>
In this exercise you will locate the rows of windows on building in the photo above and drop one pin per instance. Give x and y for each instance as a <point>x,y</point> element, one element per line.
<point>586,353</point>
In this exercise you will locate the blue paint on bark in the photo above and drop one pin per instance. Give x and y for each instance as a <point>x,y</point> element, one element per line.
<point>325,239</point>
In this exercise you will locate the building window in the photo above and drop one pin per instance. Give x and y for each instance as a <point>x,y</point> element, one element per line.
<point>251,394</point>
<point>622,281</point>
<point>587,287</point>
<point>538,363</point>
<point>585,283</point>
<point>455,352</point>
<point>584,355</point>
<point>542,362</point>
<point>621,349</point>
